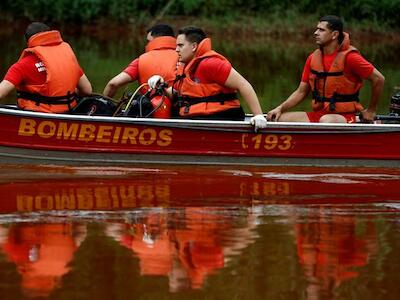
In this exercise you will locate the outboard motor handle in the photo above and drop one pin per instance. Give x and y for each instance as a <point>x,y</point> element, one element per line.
<point>394,107</point>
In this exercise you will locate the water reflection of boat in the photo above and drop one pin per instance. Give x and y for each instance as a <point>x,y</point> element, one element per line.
<point>122,189</point>
<point>184,223</point>
<point>71,139</point>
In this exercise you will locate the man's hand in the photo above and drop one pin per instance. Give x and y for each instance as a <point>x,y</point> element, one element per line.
<point>258,121</point>
<point>368,116</point>
<point>274,115</point>
<point>154,81</point>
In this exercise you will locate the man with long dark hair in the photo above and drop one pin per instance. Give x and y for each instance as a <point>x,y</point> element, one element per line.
<point>333,73</point>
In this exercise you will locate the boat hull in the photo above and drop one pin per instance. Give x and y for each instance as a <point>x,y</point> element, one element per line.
<point>27,137</point>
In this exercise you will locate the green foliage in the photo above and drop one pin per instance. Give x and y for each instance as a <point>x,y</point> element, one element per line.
<point>121,10</point>
<point>384,12</point>
<point>75,11</point>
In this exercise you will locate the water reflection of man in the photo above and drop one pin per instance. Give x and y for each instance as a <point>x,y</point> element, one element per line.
<point>160,58</point>
<point>187,246</point>
<point>334,74</point>
<point>42,253</point>
<point>330,249</point>
<point>151,244</point>
<point>47,76</point>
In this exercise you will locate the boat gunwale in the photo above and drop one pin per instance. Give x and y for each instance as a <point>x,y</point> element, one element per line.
<point>214,125</point>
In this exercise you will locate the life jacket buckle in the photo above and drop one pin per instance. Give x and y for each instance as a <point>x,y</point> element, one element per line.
<point>187,108</point>
<point>332,101</point>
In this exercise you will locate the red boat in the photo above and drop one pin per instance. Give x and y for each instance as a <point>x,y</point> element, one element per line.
<point>31,137</point>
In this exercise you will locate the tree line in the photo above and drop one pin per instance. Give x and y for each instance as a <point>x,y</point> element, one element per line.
<point>383,12</point>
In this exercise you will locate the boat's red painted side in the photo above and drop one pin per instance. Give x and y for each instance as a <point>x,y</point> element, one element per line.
<point>104,135</point>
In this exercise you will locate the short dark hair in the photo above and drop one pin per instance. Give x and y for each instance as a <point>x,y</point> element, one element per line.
<point>193,34</point>
<point>35,27</point>
<point>161,30</point>
<point>334,23</point>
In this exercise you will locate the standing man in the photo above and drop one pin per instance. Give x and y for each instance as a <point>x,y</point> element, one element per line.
<point>207,88</point>
<point>160,58</point>
<point>334,74</point>
<point>47,76</point>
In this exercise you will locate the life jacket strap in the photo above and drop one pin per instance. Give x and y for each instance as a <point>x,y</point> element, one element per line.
<point>185,101</point>
<point>335,98</point>
<point>326,74</point>
<point>53,100</point>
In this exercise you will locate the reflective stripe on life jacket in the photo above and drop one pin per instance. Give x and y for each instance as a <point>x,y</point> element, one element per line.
<point>196,98</point>
<point>333,91</point>
<point>160,59</point>
<point>62,75</point>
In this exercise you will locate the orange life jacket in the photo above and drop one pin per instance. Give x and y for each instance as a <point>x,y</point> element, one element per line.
<point>197,99</point>
<point>160,59</point>
<point>56,95</point>
<point>333,91</point>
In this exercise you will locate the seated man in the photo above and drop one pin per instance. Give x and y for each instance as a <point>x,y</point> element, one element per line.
<point>334,73</point>
<point>47,76</point>
<point>207,88</point>
<point>160,58</point>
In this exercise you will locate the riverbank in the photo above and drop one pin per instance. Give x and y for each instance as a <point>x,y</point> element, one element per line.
<point>244,28</point>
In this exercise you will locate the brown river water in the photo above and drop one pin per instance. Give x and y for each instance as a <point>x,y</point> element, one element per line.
<point>187,232</point>
<point>190,232</point>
